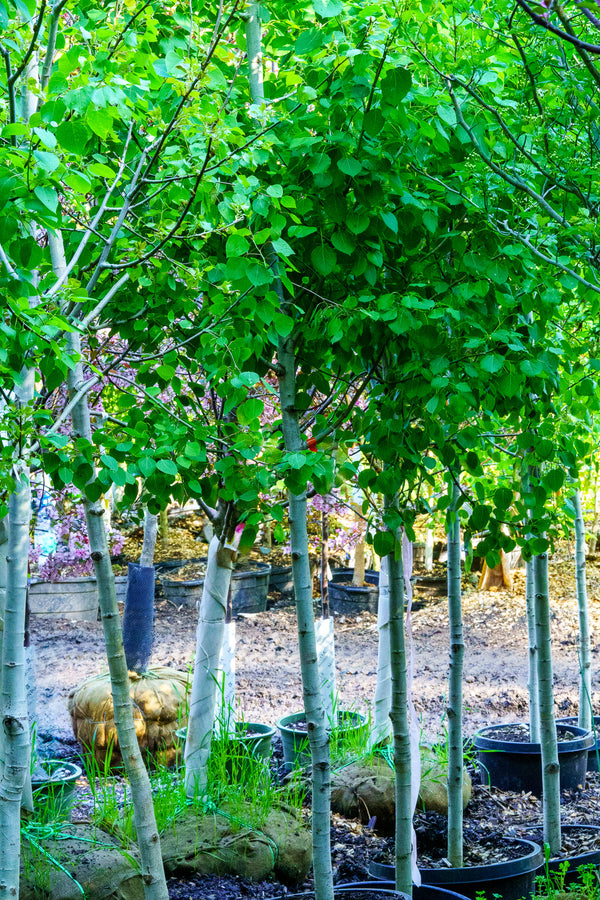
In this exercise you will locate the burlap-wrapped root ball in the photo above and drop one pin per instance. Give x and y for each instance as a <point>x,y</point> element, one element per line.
<point>160,706</point>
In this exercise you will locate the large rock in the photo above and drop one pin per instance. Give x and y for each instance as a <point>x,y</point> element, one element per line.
<point>160,704</point>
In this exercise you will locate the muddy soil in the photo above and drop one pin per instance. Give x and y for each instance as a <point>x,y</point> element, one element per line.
<point>268,686</point>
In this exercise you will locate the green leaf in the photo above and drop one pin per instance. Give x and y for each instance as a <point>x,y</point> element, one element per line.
<point>391,221</point>
<point>553,480</point>
<point>283,324</point>
<point>249,410</point>
<point>236,245</point>
<point>282,247</point>
<point>350,166</point>
<point>343,242</point>
<point>395,85</point>
<point>323,259</point>
<point>357,222</point>
<point>275,190</point>
<point>73,135</point>
<point>167,466</point>
<point>383,543</point>
<point>328,8</point>
<point>47,196</point>
<point>100,121</point>
<point>49,162</point>
<point>100,170</point>
<point>492,363</point>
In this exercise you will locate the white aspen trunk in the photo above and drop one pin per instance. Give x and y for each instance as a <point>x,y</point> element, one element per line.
<point>325,640</point>
<point>532,678</point>
<point>152,870</point>
<point>163,529</point>
<point>225,713</point>
<point>532,675</point>
<point>209,642</point>
<point>149,544</point>
<point>382,724</point>
<point>585,719</point>
<point>400,723</point>
<point>548,737</point>
<point>315,714</point>
<point>15,721</point>
<point>457,649</point>
<point>429,549</point>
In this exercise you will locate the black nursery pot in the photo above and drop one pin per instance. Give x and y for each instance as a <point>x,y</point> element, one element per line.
<point>424,892</point>
<point>364,890</point>
<point>348,598</point>
<point>511,880</point>
<point>594,751</point>
<point>516,766</point>
<point>591,857</point>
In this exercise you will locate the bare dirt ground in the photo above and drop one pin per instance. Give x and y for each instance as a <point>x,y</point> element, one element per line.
<point>268,682</point>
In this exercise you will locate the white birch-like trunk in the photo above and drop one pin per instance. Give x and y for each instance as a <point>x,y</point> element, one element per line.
<point>429,549</point>
<point>325,640</point>
<point>585,719</point>
<point>457,649</point>
<point>152,870</point>
<point>532,676</point>
<point>209,642</point>
<point>358,578</point>
<point>548,736</point>
<point>318,734</point>
<point>225,713</point>
<point>14,716</point>
<point>382,724</point>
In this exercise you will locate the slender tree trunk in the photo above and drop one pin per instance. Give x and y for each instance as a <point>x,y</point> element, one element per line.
<point>324,632</point>
<point>149,545</point>
<point>549,745</point>
<point>209,644</point>
<point>399,717</point>
<point>532,677</point>
<point>532,638</point>
<point>585,651</point>
<point>457,649</point>
<point>163,529</point>
<point>429,548</point>
<point>311,683</point>
<point>358,578</point>
<point>153,875</point>
<point>382,725</point>
<point>15,720</point>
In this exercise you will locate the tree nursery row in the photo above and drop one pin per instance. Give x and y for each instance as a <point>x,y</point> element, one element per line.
<point>253,254</point>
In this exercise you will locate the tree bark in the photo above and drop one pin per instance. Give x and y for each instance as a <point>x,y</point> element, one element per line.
<point>15,720</point>
<point>457,649</point>
<point>549,744</point>
<point>382,725</point>
<point>585,719</point>
<point>209,644</point>
<point>149,545</point>
<point>399,717</point>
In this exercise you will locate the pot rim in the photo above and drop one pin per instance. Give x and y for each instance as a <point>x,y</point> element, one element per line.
<point>75,773</point>
<point>530,862</point>
<point>440,891</point>
<point>359,720</point>
<point>484,743</point>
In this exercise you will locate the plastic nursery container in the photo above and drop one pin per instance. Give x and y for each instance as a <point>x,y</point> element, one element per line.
<point>296,747</point>
<point>512,880</point>
<point>248,589</point>
<point>53,796</point>
<point>424,892</point>
<point>254,737</point>
<point>594,751</point>
<point>517,766</point>
<point>350,599</point>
